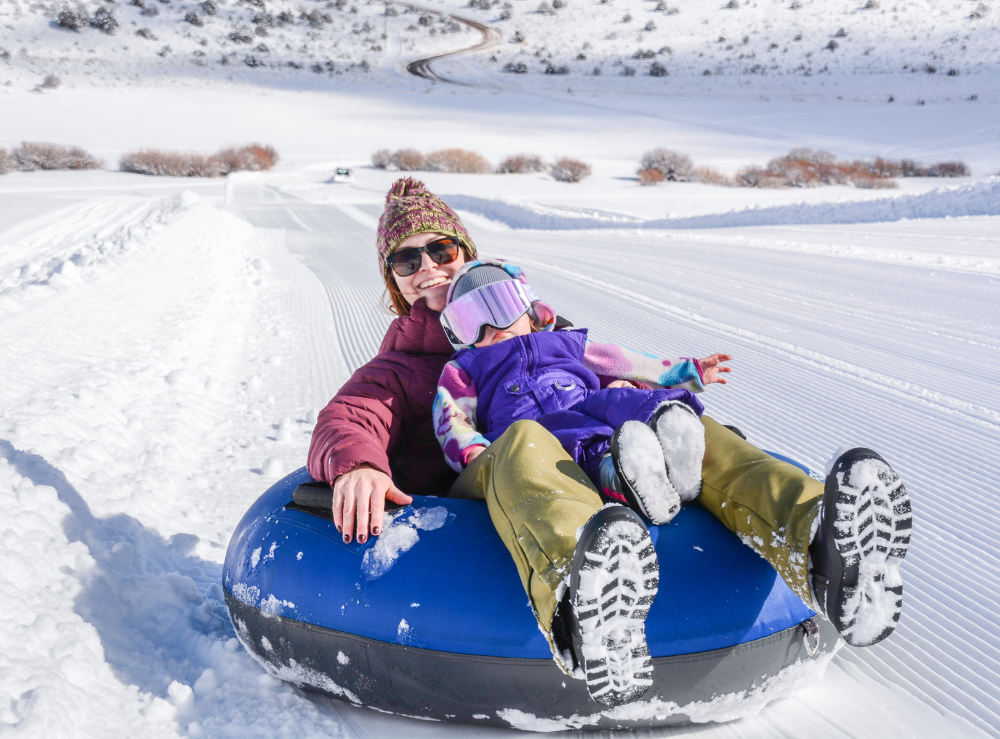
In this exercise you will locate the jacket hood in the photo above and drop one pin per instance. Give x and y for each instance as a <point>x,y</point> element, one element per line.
<point>418,333</point>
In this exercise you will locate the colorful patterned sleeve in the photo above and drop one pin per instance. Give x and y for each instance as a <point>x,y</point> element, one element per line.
<point>454,415</point>
<point>611,360</point>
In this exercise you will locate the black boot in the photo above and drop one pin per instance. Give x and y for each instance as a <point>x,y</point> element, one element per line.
<point>860,542</point>
<point>612,585</point>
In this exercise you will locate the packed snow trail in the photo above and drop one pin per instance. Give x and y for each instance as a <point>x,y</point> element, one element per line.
<point>147,401</point>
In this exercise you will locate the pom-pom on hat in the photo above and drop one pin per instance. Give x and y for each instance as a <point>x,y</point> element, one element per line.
<point>410,208</point>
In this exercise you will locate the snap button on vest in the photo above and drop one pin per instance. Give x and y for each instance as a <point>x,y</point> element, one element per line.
<point>515,388</point>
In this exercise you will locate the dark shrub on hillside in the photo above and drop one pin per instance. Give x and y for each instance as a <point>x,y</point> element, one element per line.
<point>71,20</point>
<point>51,82</point>
<point>32,156</point>
<point>569,170</point>
<point>657,70</point>
<point>515,68</point>
<point>675,167</point>
<point>521,164</point>
<point>194,19</point>
<point>458,161</point>
<point>948,169</point>
<point>104,21</point>
<point>209,7</point>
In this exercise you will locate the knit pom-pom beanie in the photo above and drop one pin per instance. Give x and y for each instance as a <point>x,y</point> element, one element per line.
<point>410,208</point>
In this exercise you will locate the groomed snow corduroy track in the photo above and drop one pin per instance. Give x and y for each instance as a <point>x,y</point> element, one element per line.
<point>831,349</point>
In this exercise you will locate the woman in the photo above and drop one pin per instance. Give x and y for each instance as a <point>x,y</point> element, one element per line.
<point>838,547</point>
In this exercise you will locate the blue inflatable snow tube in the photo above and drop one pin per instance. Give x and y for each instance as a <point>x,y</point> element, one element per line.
<point>430,619</point>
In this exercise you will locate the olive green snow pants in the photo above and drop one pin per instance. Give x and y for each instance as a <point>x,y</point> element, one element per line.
<point>538,498</point>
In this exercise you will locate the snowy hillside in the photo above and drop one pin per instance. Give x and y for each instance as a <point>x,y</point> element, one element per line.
<point>921,46</point>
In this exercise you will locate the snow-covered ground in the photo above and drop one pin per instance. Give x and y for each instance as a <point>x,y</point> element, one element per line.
<point>165,343</point>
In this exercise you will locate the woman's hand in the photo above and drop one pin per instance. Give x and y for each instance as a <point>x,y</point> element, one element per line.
<point>360,494</point>
<point>711,367</point>
<point>622,383</point>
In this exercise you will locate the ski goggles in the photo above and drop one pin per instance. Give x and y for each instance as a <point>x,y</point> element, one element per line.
<point>498,304</point>
<point>405,262</point>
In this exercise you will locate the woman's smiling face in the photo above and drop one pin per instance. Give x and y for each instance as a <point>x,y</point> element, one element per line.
<point>432,280</point>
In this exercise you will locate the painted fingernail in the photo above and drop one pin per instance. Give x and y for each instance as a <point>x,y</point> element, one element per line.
<point>339,529</point>
<point>376,531</point>
<point>347,538</point>
<point>361,538</point>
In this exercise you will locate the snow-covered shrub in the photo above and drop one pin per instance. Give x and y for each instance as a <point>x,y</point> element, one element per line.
<point>104,21</point>
<point>515,68</point>
<point>675,167</point>
<point>194,19</point>
<point>868,181</point>
<point>253,61</point>
<point>754,176</point>
<point>209,7</point>
<point>644,54</point>
<point>521,164</point>
<point>170,164</point>
<point>242,35</point>
<point>407,160</point>
<point>948,169</point>
<point>709,176</point>
<point>249,158</point>
<point>628,71</point>
<point>146,33</point>
<point>459,161</point>
<point>657,70</point>
<point>650,177</point>
<point>71,20</point>
<point>381,159</point>
<point>51,82</point>
<point>31,156</point>
<point>545,9</point>
<point>562,69</point>
<point>569,170</point>
<point>6,162</point>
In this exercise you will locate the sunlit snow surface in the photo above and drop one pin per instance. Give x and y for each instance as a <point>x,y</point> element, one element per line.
<point>150,391</point>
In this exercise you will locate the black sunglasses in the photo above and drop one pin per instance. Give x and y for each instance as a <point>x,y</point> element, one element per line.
<point>407,261</point>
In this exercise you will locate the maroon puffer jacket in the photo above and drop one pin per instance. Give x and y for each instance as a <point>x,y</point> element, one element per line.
<point>382,415</point>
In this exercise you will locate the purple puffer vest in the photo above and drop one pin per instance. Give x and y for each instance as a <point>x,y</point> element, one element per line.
<point>527,377</point>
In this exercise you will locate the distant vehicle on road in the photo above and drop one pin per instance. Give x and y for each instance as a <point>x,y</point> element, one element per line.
<point>343,174</point>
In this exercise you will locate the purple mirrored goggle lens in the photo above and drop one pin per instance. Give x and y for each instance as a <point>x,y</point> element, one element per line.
<point>498,304</point>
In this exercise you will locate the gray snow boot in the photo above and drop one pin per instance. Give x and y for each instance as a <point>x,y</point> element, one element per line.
<point>682,439</point>
<point>612,585</point>
<point>859,545</point>
<point>634,472</point>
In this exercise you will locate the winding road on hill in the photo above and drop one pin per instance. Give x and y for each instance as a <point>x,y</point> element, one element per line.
<point>422,67</point>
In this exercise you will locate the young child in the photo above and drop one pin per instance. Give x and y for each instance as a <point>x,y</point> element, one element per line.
<point>642,447</point>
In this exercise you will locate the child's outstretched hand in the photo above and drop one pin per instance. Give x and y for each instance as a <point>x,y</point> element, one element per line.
<point>712,367</point>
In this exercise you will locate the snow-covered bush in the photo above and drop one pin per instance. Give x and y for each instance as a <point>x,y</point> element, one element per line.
<point>170,164</point>
<point>754,176</point>
<point>71,20</point>
<point>675,167</point>
<point>51,82</point>
<point>569,170</point>
<point>104,21</point>
<point>32,156</point>
<point>194,19</point>
<point>650,177</point>
<point>381,159</point>
<point>407,160</point>
<point>709,176</point>
<point>657,70</point>
<point>521,164</point>
<point>515,68</point>
<point>458,161</point>
<point>948,169</point>
<point>6,162</point>
<point>251,158</point>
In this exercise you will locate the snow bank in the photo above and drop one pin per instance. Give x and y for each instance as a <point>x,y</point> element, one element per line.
<point>125,459</point>
<point>975,199</point>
